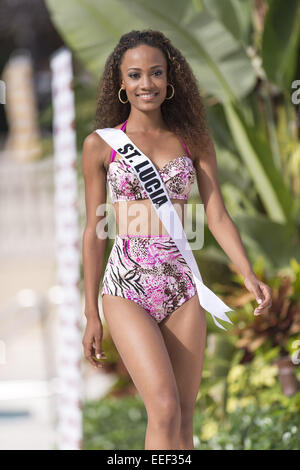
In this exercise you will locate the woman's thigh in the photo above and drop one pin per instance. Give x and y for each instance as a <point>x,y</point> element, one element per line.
<point>141,346</point>
<point>184,333</point>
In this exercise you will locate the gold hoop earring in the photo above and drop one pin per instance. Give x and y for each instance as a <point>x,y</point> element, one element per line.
<point>119,94</point>
<point>173,92</point>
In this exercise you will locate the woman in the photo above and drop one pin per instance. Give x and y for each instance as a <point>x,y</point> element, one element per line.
<point>149,299</point>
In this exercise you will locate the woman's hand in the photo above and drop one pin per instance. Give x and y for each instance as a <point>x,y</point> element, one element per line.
<point>92,340</point>
<point>262,292</point>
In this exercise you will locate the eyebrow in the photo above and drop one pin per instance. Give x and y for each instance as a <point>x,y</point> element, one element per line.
<point>137,68</point>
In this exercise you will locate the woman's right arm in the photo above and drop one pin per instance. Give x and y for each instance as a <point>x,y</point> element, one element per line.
<point>93,244</point>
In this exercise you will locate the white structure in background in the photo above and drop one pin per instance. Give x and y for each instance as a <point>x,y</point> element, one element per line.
<point>23,142</point>
<point>68,259</point>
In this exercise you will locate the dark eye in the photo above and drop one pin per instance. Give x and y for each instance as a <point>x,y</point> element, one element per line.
<point>132,75</point>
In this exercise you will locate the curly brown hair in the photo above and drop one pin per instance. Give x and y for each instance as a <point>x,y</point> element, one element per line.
<point>184,114</point>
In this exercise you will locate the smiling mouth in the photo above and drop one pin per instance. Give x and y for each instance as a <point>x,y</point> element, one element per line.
<point>147,96</point>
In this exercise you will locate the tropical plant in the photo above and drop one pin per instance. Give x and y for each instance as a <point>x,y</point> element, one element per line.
<point>282,320</point>
<point>278,324</point>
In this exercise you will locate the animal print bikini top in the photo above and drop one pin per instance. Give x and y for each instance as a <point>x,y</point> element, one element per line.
<point>177,175</point>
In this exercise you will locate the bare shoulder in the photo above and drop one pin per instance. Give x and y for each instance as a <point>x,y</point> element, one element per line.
<point>96,146</point>
<point>95,151</point>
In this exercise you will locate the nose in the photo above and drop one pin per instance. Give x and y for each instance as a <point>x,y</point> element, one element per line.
<point>146,83</point>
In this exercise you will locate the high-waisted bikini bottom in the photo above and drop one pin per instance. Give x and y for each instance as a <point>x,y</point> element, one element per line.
<point>151,271</point>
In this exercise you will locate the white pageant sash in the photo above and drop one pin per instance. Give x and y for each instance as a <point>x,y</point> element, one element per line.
<point>152,183</point>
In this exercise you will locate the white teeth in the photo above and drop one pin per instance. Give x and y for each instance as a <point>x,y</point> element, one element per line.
<point>147,95</point>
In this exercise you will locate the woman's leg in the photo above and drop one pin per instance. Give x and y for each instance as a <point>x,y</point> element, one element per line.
<point>184,332</point>
<point>140,344</point>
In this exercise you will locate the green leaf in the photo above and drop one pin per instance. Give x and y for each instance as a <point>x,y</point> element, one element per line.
<point>256,154</point>
<point>278,243</point>
<point>225,13</point>
<point>280,42</point>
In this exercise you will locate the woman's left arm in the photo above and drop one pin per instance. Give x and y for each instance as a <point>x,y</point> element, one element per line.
<point>221,225</point>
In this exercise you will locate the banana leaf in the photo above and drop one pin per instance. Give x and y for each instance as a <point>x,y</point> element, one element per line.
<point>93,27</point>
<point>281,34</point>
